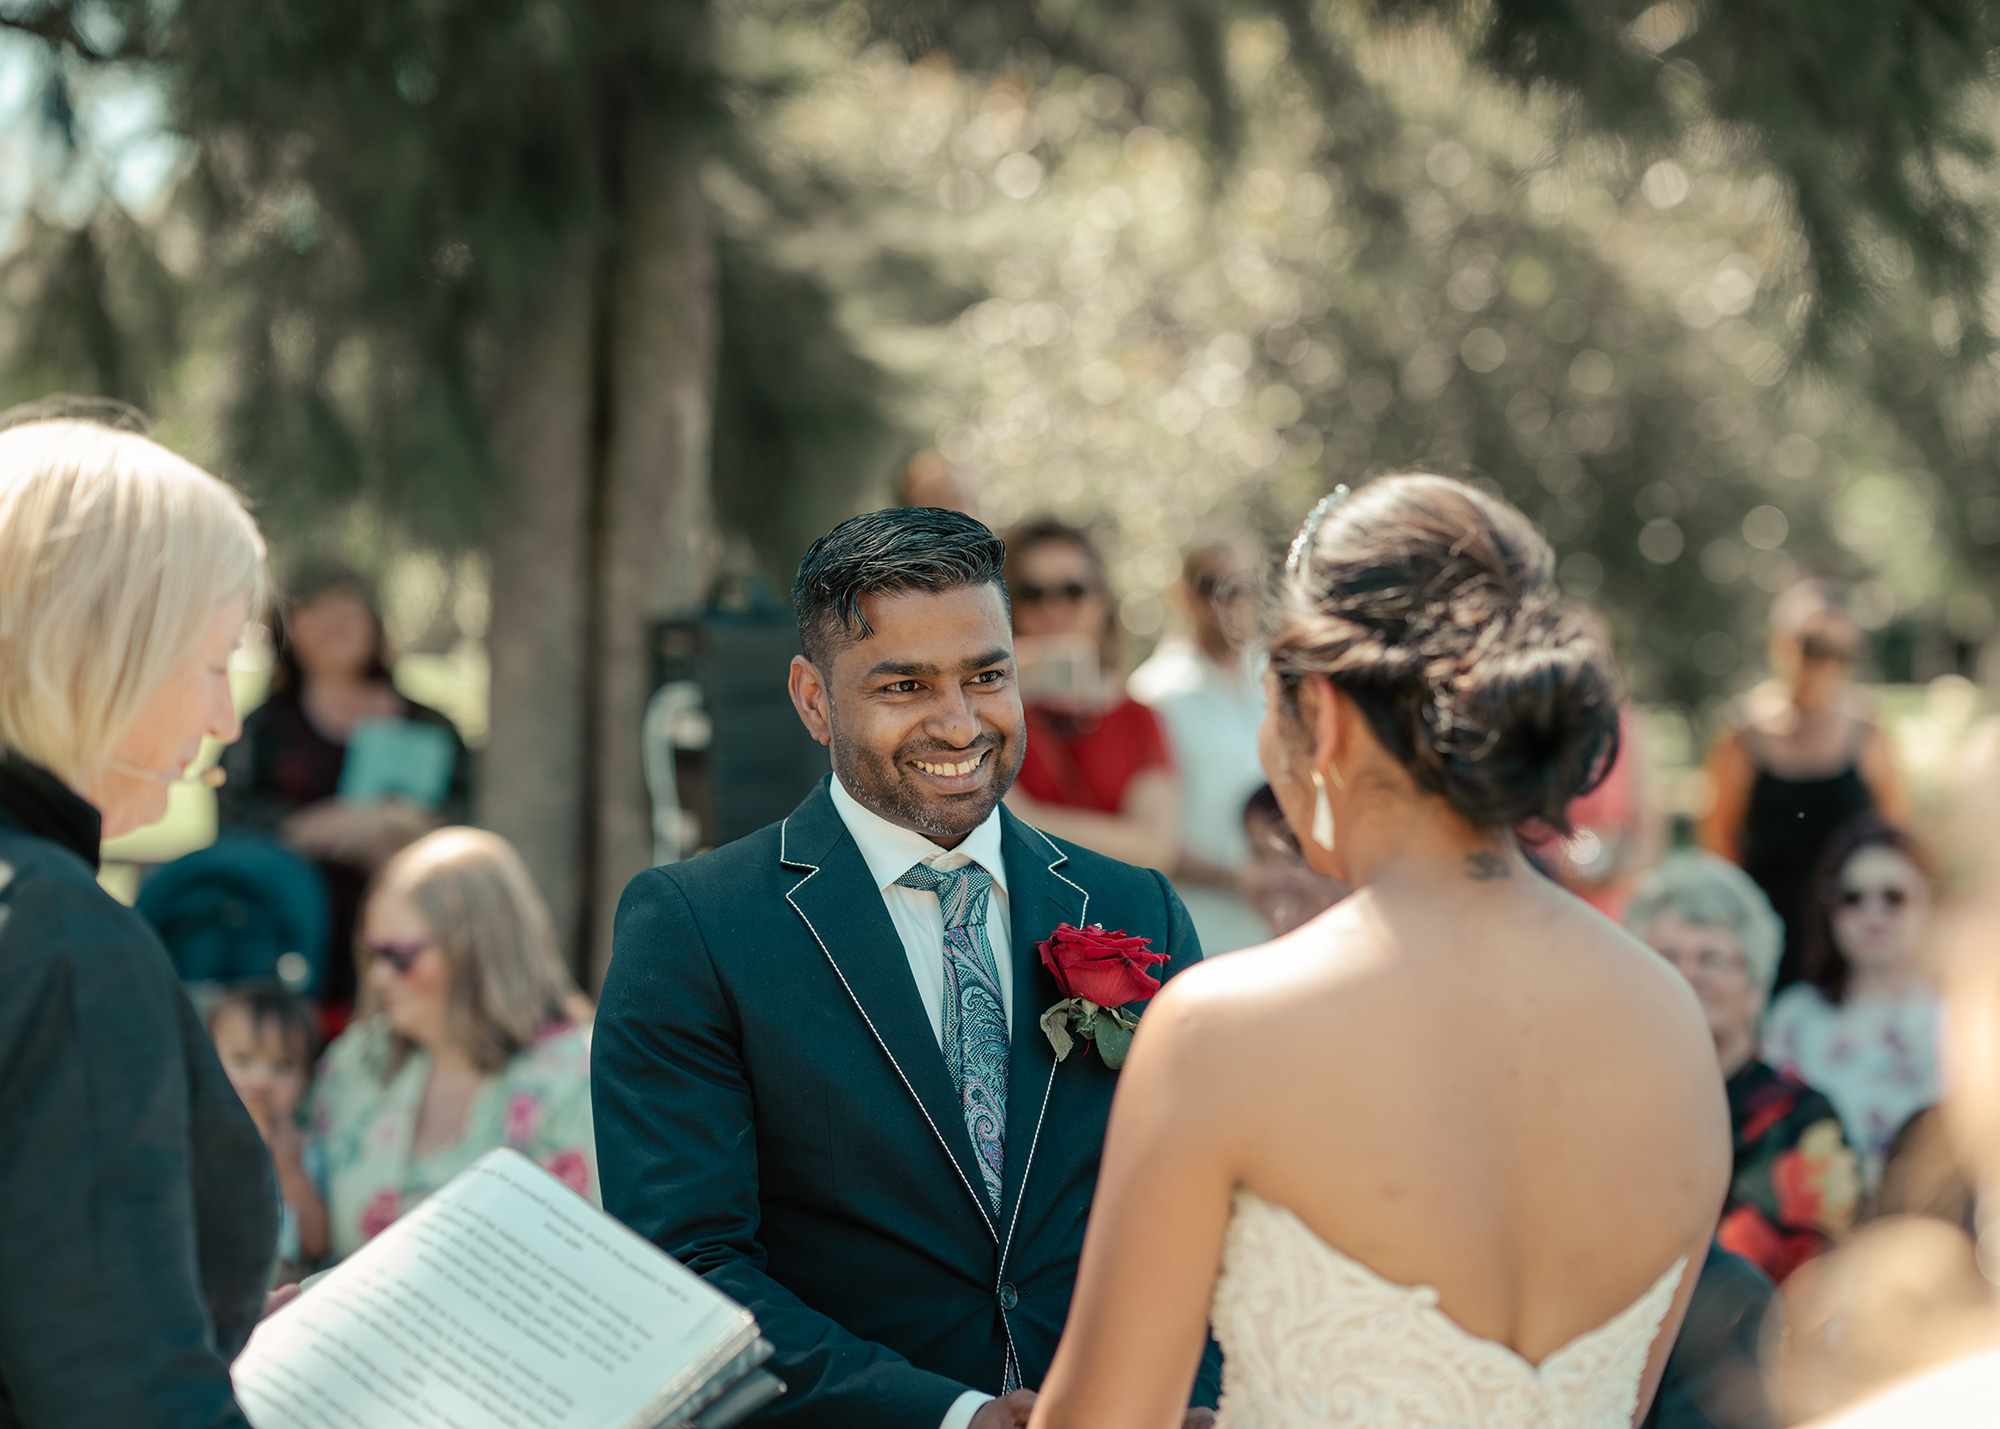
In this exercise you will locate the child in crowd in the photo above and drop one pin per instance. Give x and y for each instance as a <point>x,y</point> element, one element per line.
<point>1276,881</point>
<point>265,1038</point>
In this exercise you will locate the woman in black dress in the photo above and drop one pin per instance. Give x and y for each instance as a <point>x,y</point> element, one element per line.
<point>331,674</point>
<point>140,1207</point>
<point>1803,758</point>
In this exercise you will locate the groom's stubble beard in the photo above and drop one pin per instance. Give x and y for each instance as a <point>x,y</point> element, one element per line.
<point>881,785</point>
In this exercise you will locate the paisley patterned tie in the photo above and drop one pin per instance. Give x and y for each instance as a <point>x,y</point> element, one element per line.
<point>975,1019</point>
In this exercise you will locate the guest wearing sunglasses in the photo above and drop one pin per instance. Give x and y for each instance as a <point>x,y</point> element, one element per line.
<point>472,1036</point>
<point>1097,770</point>
<point>1803,757</point>
<point>1863,1023</point>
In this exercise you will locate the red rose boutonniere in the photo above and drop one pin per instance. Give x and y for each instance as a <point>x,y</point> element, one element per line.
<point>1098,973</point>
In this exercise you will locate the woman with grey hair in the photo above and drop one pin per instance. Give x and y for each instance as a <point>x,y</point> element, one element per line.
<point>1796,1181</point>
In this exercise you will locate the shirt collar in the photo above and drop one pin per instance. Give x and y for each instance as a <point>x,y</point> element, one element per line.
<point>890,850</point>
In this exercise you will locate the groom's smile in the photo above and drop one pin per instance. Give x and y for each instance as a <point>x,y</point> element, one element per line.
<point>922,712</point>
<point>960,771</point>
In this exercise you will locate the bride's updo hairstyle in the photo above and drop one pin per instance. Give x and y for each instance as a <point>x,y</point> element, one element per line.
<point>1430,604</point>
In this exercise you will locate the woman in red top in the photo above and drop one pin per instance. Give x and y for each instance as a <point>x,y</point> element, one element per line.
<point>1097,770</point>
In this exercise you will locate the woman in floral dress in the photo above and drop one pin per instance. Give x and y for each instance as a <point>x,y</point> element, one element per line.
<point>473,1041</point>
<point>1795,1186</point>
<point>1863,1024</point>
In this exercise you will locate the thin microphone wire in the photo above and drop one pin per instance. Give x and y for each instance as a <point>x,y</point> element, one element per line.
<point>214,778</point>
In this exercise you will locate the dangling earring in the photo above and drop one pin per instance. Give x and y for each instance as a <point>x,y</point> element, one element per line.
<point>1323,812</point>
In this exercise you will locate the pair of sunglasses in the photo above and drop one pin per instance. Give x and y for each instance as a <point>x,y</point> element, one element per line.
<point>400,957</point>
<point>1028,593</point>
<point>1814,649</point>
<point>1894,899</point>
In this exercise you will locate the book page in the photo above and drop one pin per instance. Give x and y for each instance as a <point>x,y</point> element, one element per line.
<point>504,1301</point>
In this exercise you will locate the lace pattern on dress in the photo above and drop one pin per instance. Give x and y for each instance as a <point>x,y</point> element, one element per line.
<point>1311,1337</point>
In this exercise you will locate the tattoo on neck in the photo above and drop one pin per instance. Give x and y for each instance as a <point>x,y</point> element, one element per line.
<point>1485,867</point>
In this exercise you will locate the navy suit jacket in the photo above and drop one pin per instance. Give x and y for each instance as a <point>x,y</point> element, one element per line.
<point>773,1110</point>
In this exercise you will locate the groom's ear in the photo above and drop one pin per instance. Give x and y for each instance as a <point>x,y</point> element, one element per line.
<point>811,699</point>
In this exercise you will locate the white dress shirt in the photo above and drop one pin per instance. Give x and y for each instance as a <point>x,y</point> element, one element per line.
<point>890,850</point>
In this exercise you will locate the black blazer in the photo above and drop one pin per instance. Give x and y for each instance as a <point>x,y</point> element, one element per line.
<point>138,1207</point>
<point>772,1108</point>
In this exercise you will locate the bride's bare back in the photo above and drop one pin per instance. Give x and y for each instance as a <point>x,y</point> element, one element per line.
<point>1464,1079</point>
<point>1461,1077</point>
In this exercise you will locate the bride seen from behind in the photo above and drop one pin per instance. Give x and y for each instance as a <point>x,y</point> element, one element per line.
<point>1461,1077</point>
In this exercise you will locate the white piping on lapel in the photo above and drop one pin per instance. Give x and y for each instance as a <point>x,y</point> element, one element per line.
<point>1061,858</point>
<point>813,872</point>
<point>1048,1088</point>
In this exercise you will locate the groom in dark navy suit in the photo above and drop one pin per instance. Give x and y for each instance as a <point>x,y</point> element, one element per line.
<point>818,1073</point>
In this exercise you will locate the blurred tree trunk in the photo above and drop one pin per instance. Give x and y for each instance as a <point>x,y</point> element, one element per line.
<point>601,422</point>
<point>532,777</point>
<point>656,526</point>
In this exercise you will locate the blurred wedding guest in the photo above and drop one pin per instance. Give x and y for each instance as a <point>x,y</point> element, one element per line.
<point>139,1204</point>
<point>1795,1185</point>
<point>1862,1025</point>
<point>931,480</point>
<point>266,1038</point>
<point>1616,831</point>
<point>1207,689</point>
<point>1906,1331</point>
<point>1802,758</point>
<point>1097,770</point>
<point>330,677</point>
<point>1286,891</point>
<point>1714,1377</point>
<point>1922,1175</point>
<point>477,1042</point>
<point>1901,1295</point>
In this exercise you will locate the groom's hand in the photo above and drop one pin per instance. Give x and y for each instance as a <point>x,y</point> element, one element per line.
<point>1007,1412</point>
<point>1199,1418</point>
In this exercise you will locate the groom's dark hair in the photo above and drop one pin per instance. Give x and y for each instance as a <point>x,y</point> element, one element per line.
<point>903,548</point>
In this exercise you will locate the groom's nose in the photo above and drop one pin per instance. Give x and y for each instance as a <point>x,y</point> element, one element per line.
<point>953,720</point>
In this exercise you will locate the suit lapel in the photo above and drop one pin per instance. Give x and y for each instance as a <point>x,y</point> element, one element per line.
<point>1039,897</point>
<point>837,898</point>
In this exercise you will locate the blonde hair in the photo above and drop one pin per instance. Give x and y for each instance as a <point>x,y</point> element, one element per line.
<point>115,555</point>
<point>508,982</point>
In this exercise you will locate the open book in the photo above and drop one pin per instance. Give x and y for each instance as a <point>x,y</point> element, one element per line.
<point>505,1301</point>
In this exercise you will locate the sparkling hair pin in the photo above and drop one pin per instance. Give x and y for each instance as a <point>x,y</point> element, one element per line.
<point>1302,543</point>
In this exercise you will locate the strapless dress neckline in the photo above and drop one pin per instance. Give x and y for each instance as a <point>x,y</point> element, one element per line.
<point>1313,1337</point>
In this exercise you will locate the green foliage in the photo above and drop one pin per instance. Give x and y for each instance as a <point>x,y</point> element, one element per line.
<point>1170,346</point>
<point>1158,265</point>
<point>1868,110</point>
<point>378,191</point>
<point>799,413</point>
<point>91,311</point>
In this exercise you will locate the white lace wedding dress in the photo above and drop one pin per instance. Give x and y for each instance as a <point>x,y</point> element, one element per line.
<point>1312,1338</point>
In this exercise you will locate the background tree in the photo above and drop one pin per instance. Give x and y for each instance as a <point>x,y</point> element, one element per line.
<point>617,294</point>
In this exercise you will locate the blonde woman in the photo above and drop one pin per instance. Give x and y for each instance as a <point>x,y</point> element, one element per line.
<point>140,1207</point>
<point>474,1042</point>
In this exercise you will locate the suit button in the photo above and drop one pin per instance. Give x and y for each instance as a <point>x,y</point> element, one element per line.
<point>1009,1297</point>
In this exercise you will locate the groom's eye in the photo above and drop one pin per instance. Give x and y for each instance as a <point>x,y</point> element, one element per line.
<point>989,677</point>
<point>902,687</point>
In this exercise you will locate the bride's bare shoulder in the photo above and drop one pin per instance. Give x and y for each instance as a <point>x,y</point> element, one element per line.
<point>1219,992</point>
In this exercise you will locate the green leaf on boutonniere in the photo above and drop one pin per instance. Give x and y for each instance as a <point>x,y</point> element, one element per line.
<point>1055,1026</point>
<point>1113,1039</point>
<point>1108,1027</point>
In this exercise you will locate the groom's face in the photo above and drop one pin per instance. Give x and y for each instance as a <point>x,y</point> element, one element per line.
<point>923,715</point>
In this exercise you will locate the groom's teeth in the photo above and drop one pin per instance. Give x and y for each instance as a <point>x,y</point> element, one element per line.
<point>950,771</point>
